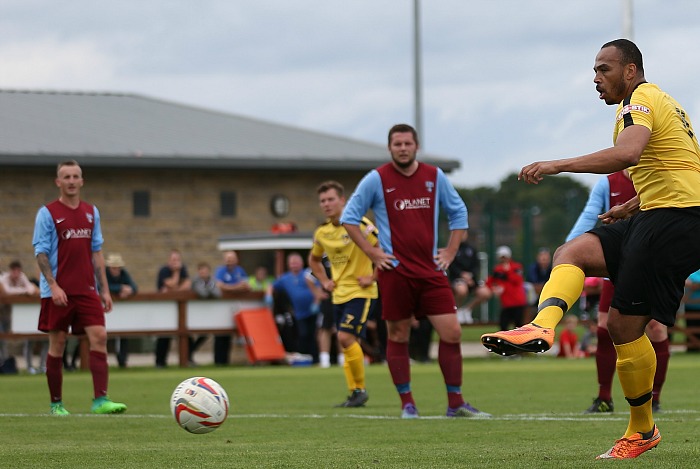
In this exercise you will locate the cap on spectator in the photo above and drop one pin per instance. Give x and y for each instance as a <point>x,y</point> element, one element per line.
<point>503,251</point>
<point>115,260</point>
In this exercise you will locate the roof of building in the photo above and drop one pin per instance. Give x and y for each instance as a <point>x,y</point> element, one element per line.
<point>128,130</point>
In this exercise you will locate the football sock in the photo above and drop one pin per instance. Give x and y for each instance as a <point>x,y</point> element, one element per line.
<point>636,364</point>
<point>54,376</point>
<point>354,366</point>
<point>450,360</point>
<point>397,359</point>
<point>324,359</point>
<point>605,361</point>
<point>454,396</point>
<point>662,356</point>
<point>561,291</point>
<point>349,380</point>
<point>100,373</point>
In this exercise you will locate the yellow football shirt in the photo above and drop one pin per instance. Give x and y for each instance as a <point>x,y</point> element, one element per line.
<point>348,262</point>
<point>668,172</point>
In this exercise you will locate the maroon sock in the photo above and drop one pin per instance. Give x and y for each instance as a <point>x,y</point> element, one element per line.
<point>100,373</point>
<point>605,360</point>
<point>662,356</point>
<point>450,360</point>
<point>54,376</point>
<point>400,368</point>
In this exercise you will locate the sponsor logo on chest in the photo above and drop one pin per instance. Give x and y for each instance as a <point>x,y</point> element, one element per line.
<point>412,204</point>
<point>79,233</point>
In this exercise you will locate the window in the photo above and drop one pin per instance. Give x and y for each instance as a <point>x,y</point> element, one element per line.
<point>142,204</point>
<point>228,204</point>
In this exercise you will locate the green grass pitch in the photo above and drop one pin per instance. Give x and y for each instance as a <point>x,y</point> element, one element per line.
<point>283,417</point>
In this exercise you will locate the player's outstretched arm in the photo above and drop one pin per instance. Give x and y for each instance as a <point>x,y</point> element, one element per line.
<point>628,149</point>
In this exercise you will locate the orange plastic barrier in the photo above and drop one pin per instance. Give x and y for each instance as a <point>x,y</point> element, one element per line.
<point>262,340</point>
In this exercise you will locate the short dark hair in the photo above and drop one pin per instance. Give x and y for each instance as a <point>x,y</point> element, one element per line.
<point>629,52</point>
<point>328,185</point>
<point>401,128</point>
<point>66,163</point>
<point>15,265</point>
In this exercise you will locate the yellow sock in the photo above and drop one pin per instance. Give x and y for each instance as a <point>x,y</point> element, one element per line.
<point>636,366</point>
<point>561,291</point>
<point>354,367</point>
<point>349,380</point>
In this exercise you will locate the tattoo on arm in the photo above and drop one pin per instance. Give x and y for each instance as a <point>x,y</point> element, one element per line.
<point>45,267</point>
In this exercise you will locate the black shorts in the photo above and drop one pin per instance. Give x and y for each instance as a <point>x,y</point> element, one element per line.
<point>649,257</point>
<point>352,315</point>
<point>327,314</point>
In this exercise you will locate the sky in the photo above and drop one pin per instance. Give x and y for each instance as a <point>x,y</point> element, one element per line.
<point>504,82</point>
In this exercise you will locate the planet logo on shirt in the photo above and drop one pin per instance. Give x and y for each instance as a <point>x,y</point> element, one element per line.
<point>79,233</point>
<point>412,204</point>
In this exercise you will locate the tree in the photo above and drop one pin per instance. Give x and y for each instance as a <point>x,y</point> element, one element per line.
<point>524,216</point>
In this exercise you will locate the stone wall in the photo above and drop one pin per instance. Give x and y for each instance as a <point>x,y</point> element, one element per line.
<point>185,212</point>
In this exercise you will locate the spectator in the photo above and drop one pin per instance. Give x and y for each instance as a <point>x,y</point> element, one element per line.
<point>537,275</point>
<point>15,282</point>
<point>205,286</point>
<point>691,302</point>
<point>507,282</point>
<point>121,286</point>
<point>589,341</point>
<point>301,297</point>
<point>230,278</point>
<point>172,277</point>
<point>568,340</point>
<point>261,280</point>
<point>464,278</point>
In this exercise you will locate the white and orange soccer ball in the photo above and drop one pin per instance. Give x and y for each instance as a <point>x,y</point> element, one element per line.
<point>199,405</point>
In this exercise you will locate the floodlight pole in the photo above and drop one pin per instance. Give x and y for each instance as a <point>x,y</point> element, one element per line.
<point>418,111</point>
<point>627,22</point>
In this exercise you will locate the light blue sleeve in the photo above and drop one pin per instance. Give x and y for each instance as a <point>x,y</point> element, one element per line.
<point>449,199</point>
<point>97,239</point>
<point>362,199</point>
<point>598,202</point>
<point>45,241</point>
<point>369,195</point>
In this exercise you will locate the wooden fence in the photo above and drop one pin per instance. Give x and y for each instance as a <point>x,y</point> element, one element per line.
<point>178,314</point>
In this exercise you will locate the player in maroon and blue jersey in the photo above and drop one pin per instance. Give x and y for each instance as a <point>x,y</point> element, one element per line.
<point>405,196</point>
<point>68,248</point>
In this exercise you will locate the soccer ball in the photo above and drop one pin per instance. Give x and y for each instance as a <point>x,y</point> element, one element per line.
<point>199,405</point>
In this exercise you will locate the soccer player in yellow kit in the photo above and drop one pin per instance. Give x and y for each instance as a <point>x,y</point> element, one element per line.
<point>353,286</point>
<point>647,252</point>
